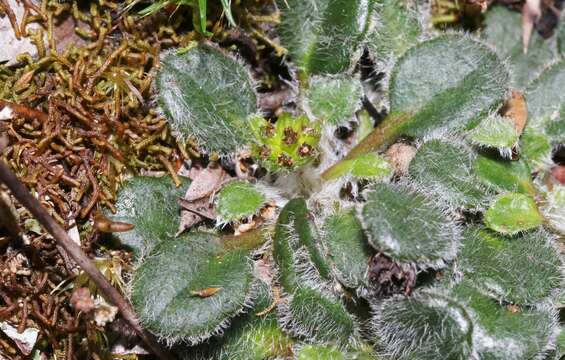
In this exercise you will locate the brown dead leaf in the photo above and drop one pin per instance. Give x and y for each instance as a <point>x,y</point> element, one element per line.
<point>205,183</point>
<point>196,203</point>
<point>516,111</point>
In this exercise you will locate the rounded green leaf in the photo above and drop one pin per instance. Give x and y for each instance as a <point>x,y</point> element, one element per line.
<point>408,227</point>
<point>237,200</point>
<point>318,318</point>
<point>496,132</point>
<point>445,171</point>
<point>333,99</point>
<point>150,204</point>
<point>166,287</point>
<point>511,213</point>
<point>450,81</point>
<point>507,333</point>
<point>347,248</point>
<point>397,28</point>
<point>503,30</point>
<point>429,325</point>
<point>208,95</point>
<point>504,175</point>
<point>523,269</point>
<point>322,36</point>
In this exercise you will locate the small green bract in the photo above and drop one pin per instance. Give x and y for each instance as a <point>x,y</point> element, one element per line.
<point>511,213</point>
<point>238,200</point>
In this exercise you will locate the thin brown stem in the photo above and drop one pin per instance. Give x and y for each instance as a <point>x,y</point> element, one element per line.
<point>20,192</point>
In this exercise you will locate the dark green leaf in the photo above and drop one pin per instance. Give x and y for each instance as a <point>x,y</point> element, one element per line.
<point>323,36</point>
<point>165,287</point>
<point>523,269</point>
<point>208,95</point>
<point>408,227</point>
<point>150,204</point>
<point>347,248</point>
<point>445,171</point>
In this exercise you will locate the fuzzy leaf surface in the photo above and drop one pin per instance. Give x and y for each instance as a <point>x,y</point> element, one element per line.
<point>504,175</point>
<point>333,99</point>
<point>503,30</point>
<point>408,227</point>
<point>294,234</point>
<point>425,326</point>
<point>535,147</point>
<point>238,200</point>
<point>319,318</point>
<point>445,171</point>
<point>496,132</point>
<point>450,81</point>
<point>397,28</point>
<point>209,95</point>
<point>165,285</point>
<point>545,96</point>
<point>347,248</point>
<point>249,337</point>
<point>460,322</point>
<point>523,269</point>
<point>503,333</point>
<point>322,36</point>
<point>511,213</point>
<point>554,208</point>
<point>149,203</point>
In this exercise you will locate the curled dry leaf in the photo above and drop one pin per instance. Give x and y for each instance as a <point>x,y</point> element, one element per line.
<point>516,110</point>
<point>196,203</point>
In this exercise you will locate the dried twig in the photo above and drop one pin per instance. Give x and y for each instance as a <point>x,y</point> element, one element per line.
<point>24,111</point>
<point>20,192</point>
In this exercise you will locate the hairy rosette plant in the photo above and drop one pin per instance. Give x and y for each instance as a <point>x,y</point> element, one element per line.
<point>430,234</point>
